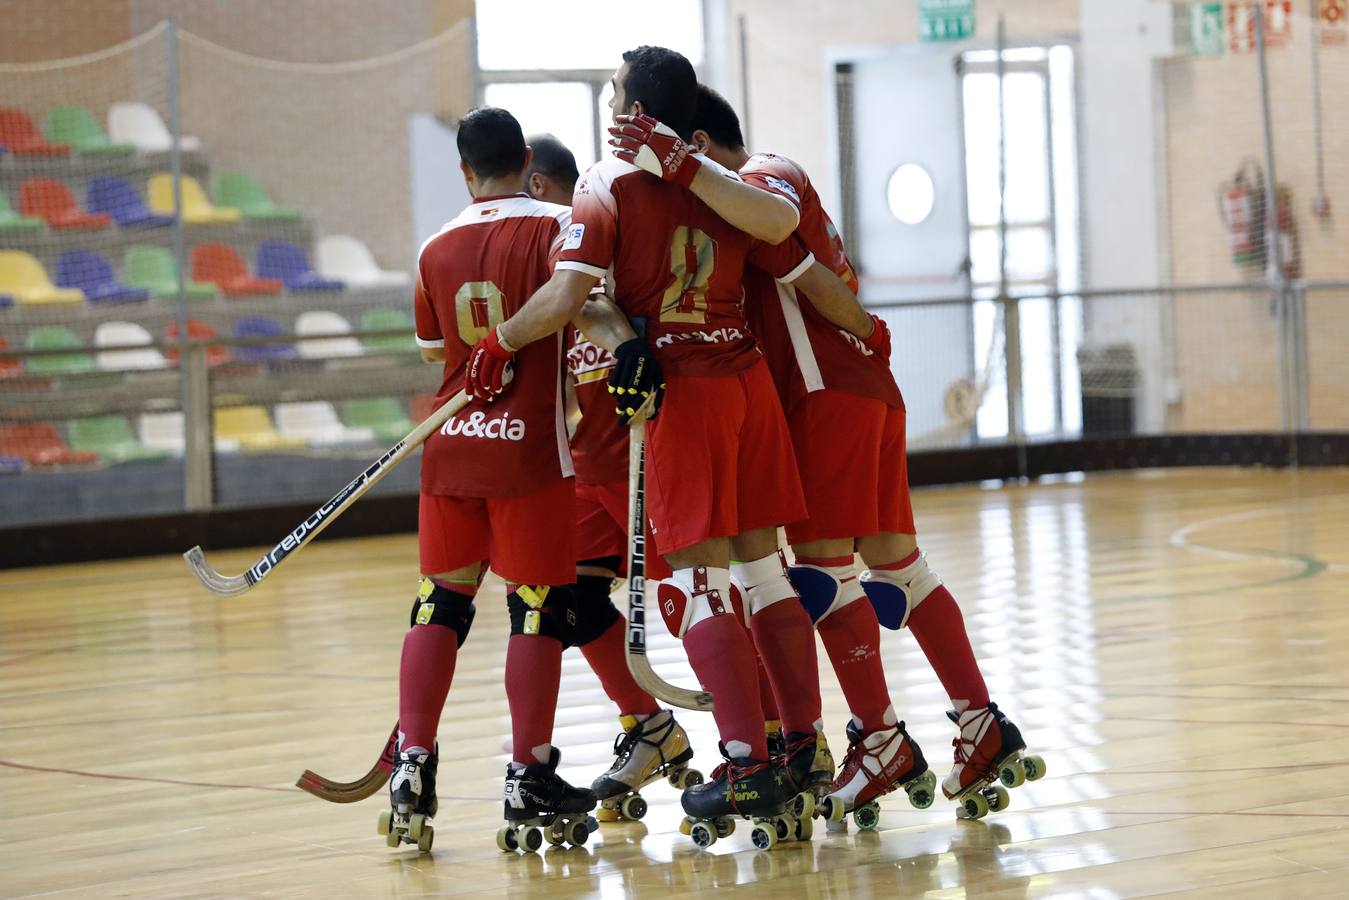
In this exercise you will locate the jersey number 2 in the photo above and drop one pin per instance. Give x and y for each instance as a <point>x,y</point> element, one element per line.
<point>693,257</point>
<point>478,309</point>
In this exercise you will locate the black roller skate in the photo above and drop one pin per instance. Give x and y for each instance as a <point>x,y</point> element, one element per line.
<point>540,807</point>
<point>412,799</point>
<point>645,752</point>
<point>740,788</point>
<point>988,749</point>
<point>808,769</point>
<point>877,763</point>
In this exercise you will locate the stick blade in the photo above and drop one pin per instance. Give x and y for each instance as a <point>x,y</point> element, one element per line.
<point>213,581</point>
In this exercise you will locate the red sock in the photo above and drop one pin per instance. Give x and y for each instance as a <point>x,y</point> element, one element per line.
<point>766,698</point>
<point>424,676</point>
<point>852,639</point>
<point>608,657</point>
<point>533,674</point>
<point>786,642</point>
<point>939,628</point>
<point>722,657</point>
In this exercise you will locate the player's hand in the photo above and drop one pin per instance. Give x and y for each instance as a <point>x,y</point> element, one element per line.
<point>879,341</point>
<point>654,147</point>
<point>489,368</point>
<point>636,380</point>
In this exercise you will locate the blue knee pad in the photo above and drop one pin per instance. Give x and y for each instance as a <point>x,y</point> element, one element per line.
<point>890,601</point>
<point>817,589</point>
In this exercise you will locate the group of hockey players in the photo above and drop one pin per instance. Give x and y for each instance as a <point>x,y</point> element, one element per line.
<point>688,282</point>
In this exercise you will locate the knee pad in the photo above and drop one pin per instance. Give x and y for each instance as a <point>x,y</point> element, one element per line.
<point>543,610</point>
<point>436,605</point>
<point>740,606</point>
<point>685,600</point>
<point>595,612</point>
<point>821,590</point>
<point>765,581</point>
<point>896,593</point>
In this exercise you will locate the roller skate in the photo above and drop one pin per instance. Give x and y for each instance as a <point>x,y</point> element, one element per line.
<point>876,764</point>
<point>643,753</point>
<point>745,788</point>
<point>540,807</point>
<point>412,800</point>
<point>989,749</point>
<point>808,770</point>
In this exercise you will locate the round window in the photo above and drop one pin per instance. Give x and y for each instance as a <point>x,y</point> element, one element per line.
<point>910,194</point>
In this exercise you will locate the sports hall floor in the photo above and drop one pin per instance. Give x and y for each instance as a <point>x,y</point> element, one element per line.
<point>1175,643</point>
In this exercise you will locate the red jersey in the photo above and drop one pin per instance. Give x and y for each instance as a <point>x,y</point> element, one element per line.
<point>805,351</point>
<point>472,276</point>
<point>673,262</point>
<point>599,447</point>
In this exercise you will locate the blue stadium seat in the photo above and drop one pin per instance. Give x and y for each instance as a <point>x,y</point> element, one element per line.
<point>284,260</point>
<point>257,327</point>
<point>91,273</point>
<point>115,196</point>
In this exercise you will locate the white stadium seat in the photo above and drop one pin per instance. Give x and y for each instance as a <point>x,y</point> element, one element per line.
<point>344,257</point>
<point>130,122</point>
<point>317,423</point>
<point>112,334</point>
<point>336,331</point>
<point>164,431</point>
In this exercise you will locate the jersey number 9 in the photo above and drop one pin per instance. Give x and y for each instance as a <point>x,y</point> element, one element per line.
<point>478,308</point>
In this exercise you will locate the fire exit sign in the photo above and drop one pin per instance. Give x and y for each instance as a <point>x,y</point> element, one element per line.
<point>945,20</point>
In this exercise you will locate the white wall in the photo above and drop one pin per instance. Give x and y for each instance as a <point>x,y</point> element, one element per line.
<point>438,190</point>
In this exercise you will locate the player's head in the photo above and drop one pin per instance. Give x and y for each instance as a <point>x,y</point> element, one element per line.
<point>552,174</point>
<point>657,82</point>
<point>492,150</point>
<point>716,129</point>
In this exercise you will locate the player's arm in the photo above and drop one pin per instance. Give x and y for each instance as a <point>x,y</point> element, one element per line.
<point>833,300</point>
<point>653,147</point>
<point>603,323</point>
<point>430,339</point>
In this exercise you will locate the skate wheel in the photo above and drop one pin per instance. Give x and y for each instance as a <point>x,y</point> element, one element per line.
<point>974,806</point>
<point>763,837</point>
<point>833,809</point>
<point>803,805</point>
<point>554,834</point>
<point>1034,766</point>
<point>1012,773</point>
<point>416,822</point>
<point>703,835</point>
<point>997,797</point>
<point>577,832</point>
<point>592,824</point>
<point>685,826</point>
<point>607,814</point>
<point>392,839</point>
<point>805,829</point>
<point>385,823</point>
<point>530,839</point>
<point>425,838</point>
<point>506,841</point>
<point>784,826</point>
<point>725,826</point>
<point>867,816</point>
<point>685,779</point>
<point>633,807</point>
<point>922,790</point>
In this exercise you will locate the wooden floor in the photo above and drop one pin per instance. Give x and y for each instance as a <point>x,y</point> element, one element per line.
<point>1176,644</point>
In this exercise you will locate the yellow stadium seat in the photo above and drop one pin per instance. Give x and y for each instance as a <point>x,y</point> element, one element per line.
<point>23,278</point>
<point>252,428</point>
<point>197,207</point>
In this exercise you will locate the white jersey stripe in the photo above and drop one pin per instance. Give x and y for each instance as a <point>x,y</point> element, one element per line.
<point>796,329</point>
<point>560,407</point>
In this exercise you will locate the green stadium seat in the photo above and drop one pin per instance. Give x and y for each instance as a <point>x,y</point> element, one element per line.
<point>244,192</point>
<point>384,416</point>
<point>57,337</point>
<point>384,318</point>
<point>12,223</point>
<point>155,269</point>
<point>76,126</point>
<point>111,438</point>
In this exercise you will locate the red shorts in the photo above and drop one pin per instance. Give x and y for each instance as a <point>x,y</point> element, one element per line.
<point>601,520</point>
<point>720,460</point>
<point>857,486</point>
<point>525,539</point>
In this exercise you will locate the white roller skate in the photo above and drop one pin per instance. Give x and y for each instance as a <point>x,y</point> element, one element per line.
<point>876,764</point>
<point>989,749</point>
<point>645,752</point>
<point>412,800</point>
<point>540,806</point>
<point>741,788</point>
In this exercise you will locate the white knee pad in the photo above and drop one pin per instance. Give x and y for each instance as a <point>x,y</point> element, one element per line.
<point>896,593</point>
<point>825,589</point>
<point>692,595</point>
<point>765,581</point>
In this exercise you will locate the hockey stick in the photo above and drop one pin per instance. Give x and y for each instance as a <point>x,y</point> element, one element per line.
<point>638,664</point>
<point>353,791</point>
<point>325,515</point>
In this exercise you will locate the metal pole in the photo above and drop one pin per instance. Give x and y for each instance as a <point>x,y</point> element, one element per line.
<point>1011,322</point>
<point>1320,203</point>
<point>475,88</point>
<point>744,79</point>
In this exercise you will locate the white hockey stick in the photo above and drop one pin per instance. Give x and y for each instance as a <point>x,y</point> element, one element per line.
<point>638,664</point>
<point>325,515</point>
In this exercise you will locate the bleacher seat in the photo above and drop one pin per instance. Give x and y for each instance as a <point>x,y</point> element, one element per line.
<point>245,193</point>
<point>111,438</point>
<point>252,428</point>
<point>197,330</point>
<point>221,265</point>
<point>344,257</point>
<point>323,322</point>
<point>39,444</point>
<point>316,423</point>
<point>116,197</point>
<point>260,327</point>
<point>382,318</point>
<point>6,301</point>
<point>287,262</point>
<point>382,415</point>
<point>156,270</point>
<point>20,136</point>
<point>23,278</point>
<point>91,273</point>
<point>136,123</point>
<point>57,337</point>
<point>12,223</point>
<point>9,368</point>
<point>52,201</point>
<point>76,126</point>
<point>197,207</point>
<point>9,464</point>
<point>164,431</point>
<point>123,334</point>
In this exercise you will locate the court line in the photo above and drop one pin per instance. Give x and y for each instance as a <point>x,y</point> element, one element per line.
<point>1180,538</point>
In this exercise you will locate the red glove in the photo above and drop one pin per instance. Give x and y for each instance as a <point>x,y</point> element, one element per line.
<point>879,341</point>
<point>651,146</point>
<point>489,368</point>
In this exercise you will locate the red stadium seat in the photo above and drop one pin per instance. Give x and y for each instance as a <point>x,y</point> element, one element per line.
<point>22,138</point>
<point>38,444</point>
<point>51,200</point>
<point>9,368</point>
<point>222,266</point>
<point>196,330</point>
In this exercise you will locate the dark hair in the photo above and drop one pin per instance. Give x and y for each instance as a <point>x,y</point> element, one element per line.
<point>491,142</point>
<point>715,115</point>
<point>553,160</point>
<point>665,83</point>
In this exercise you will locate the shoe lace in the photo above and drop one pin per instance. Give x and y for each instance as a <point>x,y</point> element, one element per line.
<point>736,772</point>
